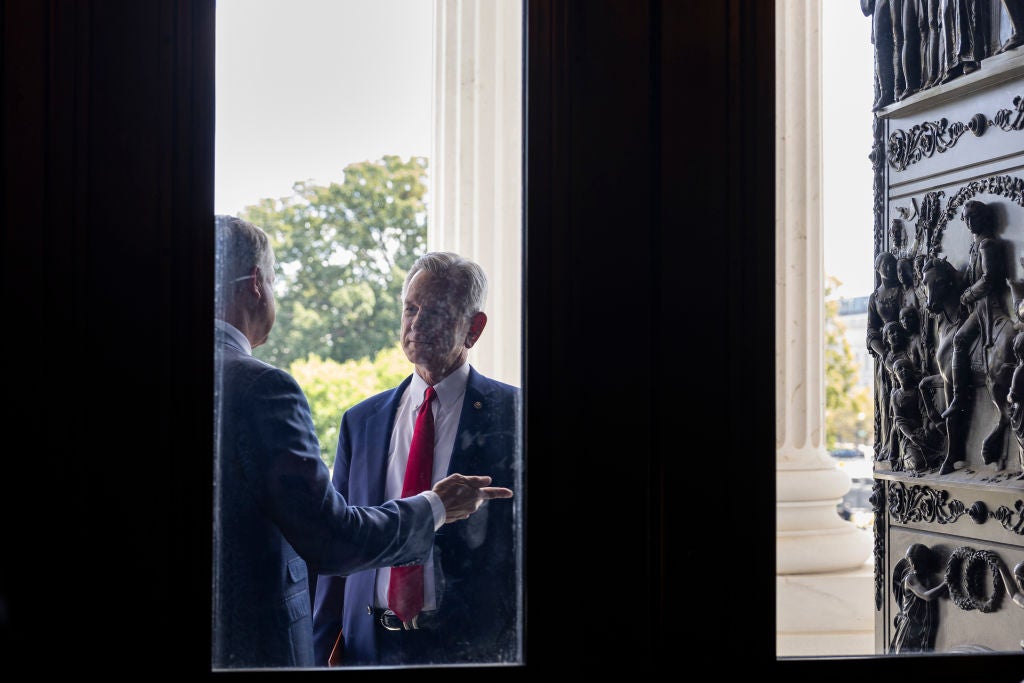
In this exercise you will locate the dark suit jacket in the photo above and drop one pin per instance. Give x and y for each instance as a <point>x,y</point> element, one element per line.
<point>276,509</point>
<point>477,590</point>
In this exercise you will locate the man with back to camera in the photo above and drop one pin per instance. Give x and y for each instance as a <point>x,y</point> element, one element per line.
<point>470,603</point>
<point>276,509</point>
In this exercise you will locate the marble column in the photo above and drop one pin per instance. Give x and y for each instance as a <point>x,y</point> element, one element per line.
<point>824,580</point>
<point>475,199</point>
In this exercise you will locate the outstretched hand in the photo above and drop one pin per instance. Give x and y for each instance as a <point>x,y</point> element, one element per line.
<point>463,495</point>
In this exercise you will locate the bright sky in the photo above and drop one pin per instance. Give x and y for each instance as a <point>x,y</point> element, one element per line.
<point>306,87</point>
<point>847,72</point>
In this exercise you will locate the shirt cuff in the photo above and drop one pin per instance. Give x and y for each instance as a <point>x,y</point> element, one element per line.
<point>437,507</point>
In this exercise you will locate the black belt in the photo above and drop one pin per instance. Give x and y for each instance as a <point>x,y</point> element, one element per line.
<point>390,621</point>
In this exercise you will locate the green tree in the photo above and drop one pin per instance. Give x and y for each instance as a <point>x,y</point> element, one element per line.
<point>848,414</point>
<point>343,252</point>
<point>332,388</point>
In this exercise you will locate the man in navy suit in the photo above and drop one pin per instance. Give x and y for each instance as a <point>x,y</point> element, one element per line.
<point>275,507</point>
<point>471,594</point>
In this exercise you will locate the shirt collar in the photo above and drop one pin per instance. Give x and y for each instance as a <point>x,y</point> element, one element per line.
<point>234,335</point>
<point>449,390</point>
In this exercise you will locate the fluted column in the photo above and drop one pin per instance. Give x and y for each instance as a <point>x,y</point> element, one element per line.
<point>824,598</point>
<point>476,162</point>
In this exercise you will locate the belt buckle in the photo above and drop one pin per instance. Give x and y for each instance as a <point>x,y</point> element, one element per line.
<point>384,621</point>
<point>405,625</point>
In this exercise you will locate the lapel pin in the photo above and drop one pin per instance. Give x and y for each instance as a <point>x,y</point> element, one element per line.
<point>478,405</point>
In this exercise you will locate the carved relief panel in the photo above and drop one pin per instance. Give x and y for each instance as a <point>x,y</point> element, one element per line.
<point>946,331</point>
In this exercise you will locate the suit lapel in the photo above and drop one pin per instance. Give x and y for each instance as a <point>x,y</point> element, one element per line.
<point>472,421</point>
<point>378,441</point>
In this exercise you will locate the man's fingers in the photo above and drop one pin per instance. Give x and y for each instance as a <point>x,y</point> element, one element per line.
<point>475,480</point>
<point>495,492</point>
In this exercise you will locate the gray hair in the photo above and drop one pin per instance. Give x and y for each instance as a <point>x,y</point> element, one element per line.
<point>241,246</point>
<point>468,277</point>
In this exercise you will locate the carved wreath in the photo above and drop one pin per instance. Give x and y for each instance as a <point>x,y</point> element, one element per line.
<point>965,578</point>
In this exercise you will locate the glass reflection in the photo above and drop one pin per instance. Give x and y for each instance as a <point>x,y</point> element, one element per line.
<point>336,295</point>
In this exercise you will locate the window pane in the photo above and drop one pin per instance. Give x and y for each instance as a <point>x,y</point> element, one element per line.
<point>350,133</point>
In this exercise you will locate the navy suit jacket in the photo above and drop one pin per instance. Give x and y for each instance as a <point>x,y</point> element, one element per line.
<point>275,509</point>
<point>477,589</point>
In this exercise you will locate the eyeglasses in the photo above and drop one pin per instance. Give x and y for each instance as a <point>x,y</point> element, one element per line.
<point>258,274</point>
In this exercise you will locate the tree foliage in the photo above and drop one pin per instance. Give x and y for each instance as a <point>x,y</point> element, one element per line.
<point>332,388</point>
<point>847,407</point>
<point>342,254</point>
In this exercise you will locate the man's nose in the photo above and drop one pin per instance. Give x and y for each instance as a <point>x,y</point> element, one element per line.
<point>422,321</point>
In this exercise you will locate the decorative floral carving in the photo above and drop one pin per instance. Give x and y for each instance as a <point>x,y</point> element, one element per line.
<point>1007,186</point>
<point>878,506</point>
<point>921,503</point>
<point>907,147</point>
<point>1011,119</point>
<point>929,222</point>
<point>877,158</point>
<point>1005,516</point>
<point>921,141</point>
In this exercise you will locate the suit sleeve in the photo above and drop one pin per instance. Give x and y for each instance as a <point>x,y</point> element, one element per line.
<point>293,485</point>
<point>329,597</point>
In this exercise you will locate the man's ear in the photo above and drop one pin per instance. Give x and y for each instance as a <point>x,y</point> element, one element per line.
<point>253,283</point>
<point>255,286</point>
<point>476,328</point>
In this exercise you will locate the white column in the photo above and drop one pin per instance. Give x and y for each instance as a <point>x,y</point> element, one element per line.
<point>475,201</point>
<point>825,592</point>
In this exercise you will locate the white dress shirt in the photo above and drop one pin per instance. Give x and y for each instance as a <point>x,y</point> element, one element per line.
<point>447,407</point>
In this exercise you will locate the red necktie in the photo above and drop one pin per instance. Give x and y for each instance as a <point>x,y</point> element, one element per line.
<point>405,592</point>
